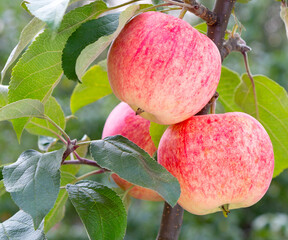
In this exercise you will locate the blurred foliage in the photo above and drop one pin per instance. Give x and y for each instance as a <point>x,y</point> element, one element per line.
<point>267,220</point>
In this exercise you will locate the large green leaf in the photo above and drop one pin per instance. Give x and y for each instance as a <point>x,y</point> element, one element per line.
<point>86,34</point>
<point>228,83</point>
<point>272,102</point>
<point>95,85</point>
<point>22,108</point>
<point>20,227</point>
<point>41,126</point>
<point>156,132</point>
<point>49,11</point>
<point>27,35</point>
<point>3,95</point>
<point>33,182</point>
<point>92,51</point>
<point>132,163</point>
<point>56,214</point>
<point>39,70</point>
<point>100,209</point>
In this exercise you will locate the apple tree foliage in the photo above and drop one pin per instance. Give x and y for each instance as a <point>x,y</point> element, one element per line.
<point>59,41</point>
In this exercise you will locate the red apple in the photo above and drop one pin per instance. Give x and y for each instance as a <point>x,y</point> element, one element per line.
<point>220,160</point>
<point>163,66</point>
<point>122,120</point>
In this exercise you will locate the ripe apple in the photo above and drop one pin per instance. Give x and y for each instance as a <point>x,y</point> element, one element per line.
<point>163,68</point>
<point>123,120</point>
<point>222,161</point>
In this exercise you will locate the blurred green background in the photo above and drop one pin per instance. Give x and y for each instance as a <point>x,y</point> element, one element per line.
<point>267,220</point>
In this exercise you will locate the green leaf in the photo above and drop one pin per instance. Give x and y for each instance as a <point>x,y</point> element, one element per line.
<point>228,83</point>
<point>41,126</point>
<point>272,102</point>
<point>27,35</point>
<point>2,188</point>
<point>20,227</point>
<point>86,34</point>
<point>56,214</point>
<point>33,182</point>
<point>156,132</point>
<point>22,108</point>
<point>95,85</point>
<point>284,15</point>
<point>3,95</point>
<point>39,70</point>
<point>100,209</point>
<point>133,164</point>
<point>49,11</point>
<point>201,27</point>
<point>92,51</point>
<point>44,143</point>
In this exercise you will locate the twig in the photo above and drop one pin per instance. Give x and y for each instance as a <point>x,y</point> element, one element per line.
<point>234,43</point>
<point>196,8</point>
<point>70,148</point>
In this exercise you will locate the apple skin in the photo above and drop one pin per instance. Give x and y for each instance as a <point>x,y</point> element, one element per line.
<point>123,121</point>
<point>162,65</point>
<point>218,159</point>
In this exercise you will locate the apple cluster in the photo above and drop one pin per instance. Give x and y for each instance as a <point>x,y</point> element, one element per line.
<point>165,71</point>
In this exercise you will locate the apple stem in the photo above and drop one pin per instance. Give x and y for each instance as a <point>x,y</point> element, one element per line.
<point>196,8</point>
<point>225,210</point>
<point>139,111</point>
<point>182,13</point>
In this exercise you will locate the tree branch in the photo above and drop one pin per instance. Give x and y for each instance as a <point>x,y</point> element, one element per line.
<point>172,217</point>
<point>171,222</point>
<point>216,32</point>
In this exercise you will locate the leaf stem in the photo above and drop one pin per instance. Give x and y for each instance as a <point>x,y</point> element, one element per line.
<point>99,171</point>
<point>66,136</point>
<point>252,82</point>
<point>88,162</point>
<point>123,5</point>
<point>77,162</point>
<point>83,143</point>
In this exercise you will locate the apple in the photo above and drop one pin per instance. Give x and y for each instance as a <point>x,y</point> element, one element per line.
<point>222,161</point>
<point>123,121</point>
<point>163,68</point>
